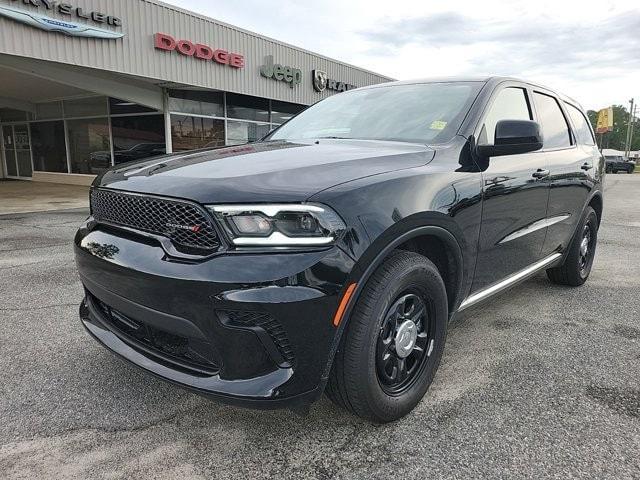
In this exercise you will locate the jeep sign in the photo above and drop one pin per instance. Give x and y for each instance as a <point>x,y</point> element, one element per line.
<point>290,75</point>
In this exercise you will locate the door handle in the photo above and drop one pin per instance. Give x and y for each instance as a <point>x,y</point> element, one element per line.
<point>586,166</point>
<point>540,173</point>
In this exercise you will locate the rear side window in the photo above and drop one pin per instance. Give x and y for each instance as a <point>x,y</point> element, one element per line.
<point>581,124</point>
<point>510,104</point>
<point>554,126</point>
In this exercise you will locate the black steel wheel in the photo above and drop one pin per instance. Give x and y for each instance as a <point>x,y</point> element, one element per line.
<point>393,342</point>
<point>586,249</point>
<point>578,261</point>
<point>403,342</point>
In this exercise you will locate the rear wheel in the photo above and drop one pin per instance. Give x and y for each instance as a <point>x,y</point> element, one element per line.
<point>577,264</point>
<point>393,344</point>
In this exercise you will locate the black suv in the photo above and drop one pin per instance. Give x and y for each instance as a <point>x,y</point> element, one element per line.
<point>331,255</point>
<point>618,163</point>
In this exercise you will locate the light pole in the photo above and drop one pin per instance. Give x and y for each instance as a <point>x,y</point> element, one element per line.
<point>633,124</point>
<point>627,144</point>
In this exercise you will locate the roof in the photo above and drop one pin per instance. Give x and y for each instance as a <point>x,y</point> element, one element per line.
<point>495,79</point>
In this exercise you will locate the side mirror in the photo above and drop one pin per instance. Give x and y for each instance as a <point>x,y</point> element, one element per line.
<point>513,137</point>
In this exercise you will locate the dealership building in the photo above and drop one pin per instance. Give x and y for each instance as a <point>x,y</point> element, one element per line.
<point>86,84</point>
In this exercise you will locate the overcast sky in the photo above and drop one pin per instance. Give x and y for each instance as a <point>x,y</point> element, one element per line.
<point>589,50</point>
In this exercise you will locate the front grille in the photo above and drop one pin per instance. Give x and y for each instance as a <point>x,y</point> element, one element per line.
<point>186,354</point>
<point>263,320</point>
<point>188,226</point>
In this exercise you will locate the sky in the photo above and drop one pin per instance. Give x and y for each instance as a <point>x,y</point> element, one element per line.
<point>588,50</point>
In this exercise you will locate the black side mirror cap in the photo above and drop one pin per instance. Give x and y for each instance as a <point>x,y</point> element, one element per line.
<point>513,137</point>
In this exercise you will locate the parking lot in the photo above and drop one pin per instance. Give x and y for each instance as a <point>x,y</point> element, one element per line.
<point>542,381</point>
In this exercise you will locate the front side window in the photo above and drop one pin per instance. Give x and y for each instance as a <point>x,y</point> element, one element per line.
<point>510,104</point>
<point>581,124</point>
<point>552,122</point>
<point>426,113</point>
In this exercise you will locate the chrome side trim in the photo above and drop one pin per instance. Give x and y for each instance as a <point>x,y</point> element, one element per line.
<point>509,281</point>
<point>545,222</point>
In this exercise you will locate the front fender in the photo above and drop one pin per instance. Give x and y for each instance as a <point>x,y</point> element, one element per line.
<point>403,205</point>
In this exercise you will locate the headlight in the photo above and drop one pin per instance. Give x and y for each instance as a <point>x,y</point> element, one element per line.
<point>279,225</point>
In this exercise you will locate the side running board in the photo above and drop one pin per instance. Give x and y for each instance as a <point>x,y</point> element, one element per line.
<point>508,282</point>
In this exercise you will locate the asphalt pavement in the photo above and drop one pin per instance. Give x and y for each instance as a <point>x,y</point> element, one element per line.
<point>540,382</point>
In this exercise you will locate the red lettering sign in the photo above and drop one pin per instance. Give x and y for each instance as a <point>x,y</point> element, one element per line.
<point>203,52</point>
<point>221,56</point>
<point>236,61</point>
<point>187,48</point>
<point>162,41</point>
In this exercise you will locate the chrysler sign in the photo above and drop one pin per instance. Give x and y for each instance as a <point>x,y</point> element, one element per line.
<point>60,25</point>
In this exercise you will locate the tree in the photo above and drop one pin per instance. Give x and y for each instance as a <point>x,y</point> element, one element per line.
<point>615,139</point>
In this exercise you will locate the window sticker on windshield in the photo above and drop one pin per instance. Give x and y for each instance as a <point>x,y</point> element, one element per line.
<point>438,125</point>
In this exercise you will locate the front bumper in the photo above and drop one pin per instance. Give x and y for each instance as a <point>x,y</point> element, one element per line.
<point>252,329</point>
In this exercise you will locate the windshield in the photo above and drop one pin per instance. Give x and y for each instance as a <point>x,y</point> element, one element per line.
<point>425,113</point>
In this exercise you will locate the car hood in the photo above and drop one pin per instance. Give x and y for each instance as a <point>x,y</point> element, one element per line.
<point>264,171</point>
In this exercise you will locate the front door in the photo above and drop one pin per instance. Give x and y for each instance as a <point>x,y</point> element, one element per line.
<point>515,195</point>
<point>16,151</point>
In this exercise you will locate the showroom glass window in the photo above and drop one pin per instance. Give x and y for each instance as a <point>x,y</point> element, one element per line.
<point>48,111</point>
<point>124,107</point>
<point>11,115</point>
<point>283,111</point>
<point>48,147</point>
<point>85,107</point>
<point>189,132</point>
<point>510,104</point>
<point>244,107</point>
<point>209,104</point>
<point>9,150</point>
<point>23,149</point>
<point>245,132</point>
<point>89,145</point>
<point>581,124</point>
<point>137,137</point>
<point>555,130</point>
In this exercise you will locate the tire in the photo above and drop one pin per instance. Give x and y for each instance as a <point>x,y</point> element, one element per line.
<point>361,380</point>
<point>576,267</point>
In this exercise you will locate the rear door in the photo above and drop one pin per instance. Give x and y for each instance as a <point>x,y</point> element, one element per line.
<point>515,195</point>
<point>572,157</point>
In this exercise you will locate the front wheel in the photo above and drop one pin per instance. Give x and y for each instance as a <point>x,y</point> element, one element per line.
<point>393,344</point>
<point>577,264</point>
